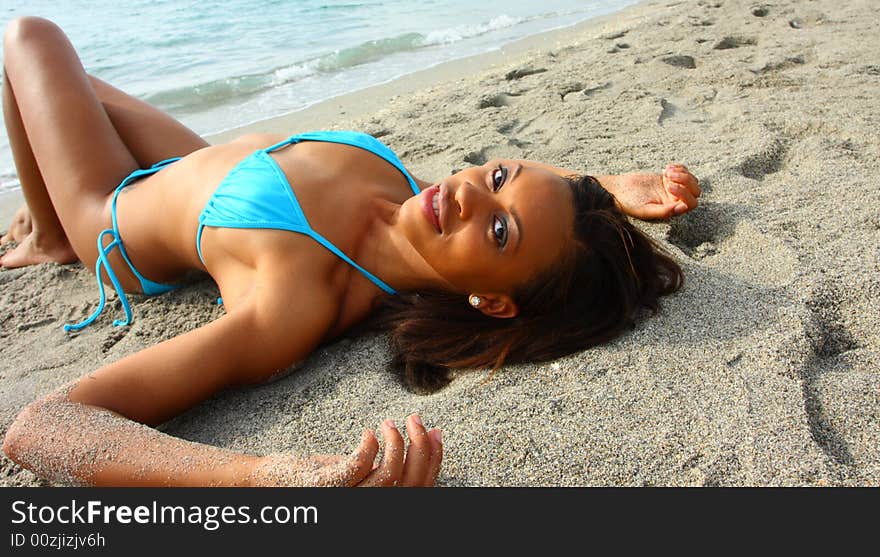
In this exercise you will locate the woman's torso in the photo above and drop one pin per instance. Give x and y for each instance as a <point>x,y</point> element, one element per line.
<point>337,186</point>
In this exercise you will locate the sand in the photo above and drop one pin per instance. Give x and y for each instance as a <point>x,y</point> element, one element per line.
<point>763,370</point>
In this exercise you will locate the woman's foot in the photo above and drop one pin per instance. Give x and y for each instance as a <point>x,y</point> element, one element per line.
<point>19,227</point>
<point>34,248</point>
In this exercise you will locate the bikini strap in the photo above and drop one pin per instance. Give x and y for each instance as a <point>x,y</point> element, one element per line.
<point>104,251</point>
<point>339,253</point>
<point>355,139</point>
<point>308,230</point>
<point>289,141</point>
<point>103,261</point>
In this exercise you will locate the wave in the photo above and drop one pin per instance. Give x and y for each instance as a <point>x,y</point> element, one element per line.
<point>218,92</point>
<point>342,7</point>
<point>212,93</point>
<point>8,182</point>
<point>461,32</point>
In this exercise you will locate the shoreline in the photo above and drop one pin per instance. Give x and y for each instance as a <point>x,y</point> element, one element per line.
<point>361,102</point>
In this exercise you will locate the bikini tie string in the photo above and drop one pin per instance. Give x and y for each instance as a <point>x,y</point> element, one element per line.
<point>103,261</point>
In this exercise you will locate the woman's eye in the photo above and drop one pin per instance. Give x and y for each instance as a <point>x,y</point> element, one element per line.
<point>499,230</point>
<point>499,176</point>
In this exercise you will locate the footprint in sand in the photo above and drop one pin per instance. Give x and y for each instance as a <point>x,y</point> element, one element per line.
<point>377,129</point>
<point>514,148</point>
<point>614,36</point>
<point>698,233</point>
<point>769,160</point>
<point>476,158</point>
<point>776,64</point>
<point>728,43</point>
<point>525,71</point>
<point>697,22</point>
<point>668,111</point>
<point>505,127</point>
<point>722,236</point>
<point>496,100</point>
<point>582,90</point>
<point>680,61</point>
<point>838,362</point>
<point>568,88</point>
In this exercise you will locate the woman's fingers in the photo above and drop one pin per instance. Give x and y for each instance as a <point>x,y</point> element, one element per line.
<point>350,470</point>
<point>388,473</point>
<point>423,456</point>
<point>436,439</point>
<point>418,454</point>
<point>418,466</point>
<point>686,199</point>
<point>680,174</point>
<point>684,195</point>
<point>361,460</point>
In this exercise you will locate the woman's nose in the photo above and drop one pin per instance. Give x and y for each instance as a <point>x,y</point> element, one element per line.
<point>468,197</point>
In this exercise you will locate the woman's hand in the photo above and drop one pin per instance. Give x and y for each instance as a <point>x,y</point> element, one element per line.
<point>653,196</point>
<point>416,467</point>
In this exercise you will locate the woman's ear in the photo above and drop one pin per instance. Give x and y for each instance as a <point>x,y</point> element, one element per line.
<point>495,305</point>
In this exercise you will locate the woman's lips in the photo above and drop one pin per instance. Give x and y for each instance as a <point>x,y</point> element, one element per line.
<point>428,207</point>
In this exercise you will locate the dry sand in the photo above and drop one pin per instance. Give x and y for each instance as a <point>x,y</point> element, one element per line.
<point>763,370</point>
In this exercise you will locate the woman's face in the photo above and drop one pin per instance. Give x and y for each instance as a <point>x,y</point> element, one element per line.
<point>494,227</point>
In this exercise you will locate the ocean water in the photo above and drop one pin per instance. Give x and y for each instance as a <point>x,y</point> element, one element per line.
<point>222,64</point>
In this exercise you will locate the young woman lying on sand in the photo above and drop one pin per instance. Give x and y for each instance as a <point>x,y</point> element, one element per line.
<point>506,262</point>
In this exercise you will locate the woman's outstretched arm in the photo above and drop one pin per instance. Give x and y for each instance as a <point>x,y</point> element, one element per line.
<point>71,443</point>
<point>96,432</point>
<point>647,196</point>
<point>641,195</point>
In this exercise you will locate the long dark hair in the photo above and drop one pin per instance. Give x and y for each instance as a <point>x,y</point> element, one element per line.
<point>590,296</point>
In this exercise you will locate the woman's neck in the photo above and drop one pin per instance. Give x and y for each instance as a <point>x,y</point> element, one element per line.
<point>388,254</point>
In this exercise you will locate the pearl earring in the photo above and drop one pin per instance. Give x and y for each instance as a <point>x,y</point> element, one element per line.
<point>475,301</point>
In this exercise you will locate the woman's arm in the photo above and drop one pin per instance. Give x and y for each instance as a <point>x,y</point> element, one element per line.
<point>94,432</point>
<point>71,443</point>
<point>643,195</point>
<point>640,195</point>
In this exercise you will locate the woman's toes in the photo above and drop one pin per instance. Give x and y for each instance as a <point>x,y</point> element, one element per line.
<point>27,252</point>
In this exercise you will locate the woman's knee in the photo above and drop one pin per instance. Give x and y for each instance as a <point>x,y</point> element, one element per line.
<point>30,31</point>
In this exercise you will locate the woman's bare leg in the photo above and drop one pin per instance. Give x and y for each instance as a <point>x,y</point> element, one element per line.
<point>148,134</point>
<point>37,229</point>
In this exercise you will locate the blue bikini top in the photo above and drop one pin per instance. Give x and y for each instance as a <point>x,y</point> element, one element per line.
<point>257,194</point>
